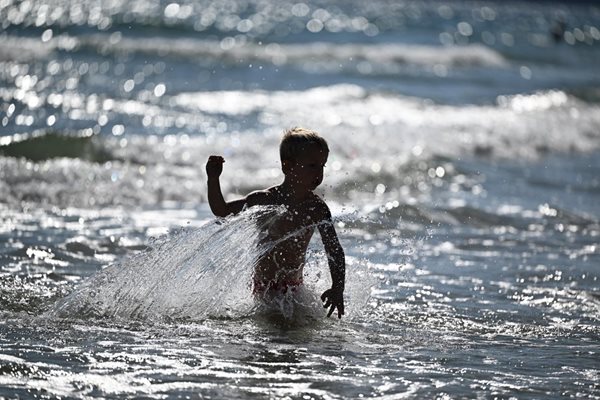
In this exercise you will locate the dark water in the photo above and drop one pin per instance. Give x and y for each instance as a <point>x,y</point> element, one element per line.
<point>463,177</point>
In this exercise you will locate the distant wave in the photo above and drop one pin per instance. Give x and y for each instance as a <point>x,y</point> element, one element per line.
<point>229,50</point>
<point>481,217</point>
<point>14,48</point>
<point>320,51</point>
<point>517,126</point>
<point>378,137</point>
<point>43,145</point>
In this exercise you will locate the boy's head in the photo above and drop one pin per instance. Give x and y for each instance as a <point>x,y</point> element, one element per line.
<point>298,141</point>
<point>303,155</point>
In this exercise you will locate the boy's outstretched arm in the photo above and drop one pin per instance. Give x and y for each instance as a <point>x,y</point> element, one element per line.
<point>334,297</point>
<point>218,205</point>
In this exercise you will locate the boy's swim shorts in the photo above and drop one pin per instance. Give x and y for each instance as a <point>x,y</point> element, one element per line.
<point>274,287</point>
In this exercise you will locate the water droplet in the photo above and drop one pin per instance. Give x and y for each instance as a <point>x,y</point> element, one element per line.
<point>171,10</point>
<point>465,29</point>
<point>47,35</point>
<point>300,10</point>
<point>160,89</point>
<point>314,25</point>
<point>118,130</point>
<point>525,72</point>
<point>129,85</point>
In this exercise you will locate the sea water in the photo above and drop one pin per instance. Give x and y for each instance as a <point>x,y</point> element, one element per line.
<point>463,179</point>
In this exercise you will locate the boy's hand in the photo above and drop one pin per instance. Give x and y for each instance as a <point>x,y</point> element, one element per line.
<point>333,298</point>
<point>214,166</point>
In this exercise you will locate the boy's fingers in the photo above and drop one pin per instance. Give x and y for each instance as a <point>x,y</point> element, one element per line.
<point>330,311</point>
<point>332,305</point>
<point>326,296</point>
<point>216,158</point>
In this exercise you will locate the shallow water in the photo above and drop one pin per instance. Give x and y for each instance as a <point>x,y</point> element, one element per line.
<point>463,180</point>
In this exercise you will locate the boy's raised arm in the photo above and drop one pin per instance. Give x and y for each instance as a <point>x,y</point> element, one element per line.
<point>334,297</point>
<point>218,205</point>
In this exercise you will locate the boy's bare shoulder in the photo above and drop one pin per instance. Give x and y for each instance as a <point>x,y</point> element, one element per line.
<point>318,208</point>
<point>265,197</point>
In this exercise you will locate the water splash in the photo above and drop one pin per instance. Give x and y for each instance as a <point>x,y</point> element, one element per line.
<point>191,274</point>
<point>203,273</point>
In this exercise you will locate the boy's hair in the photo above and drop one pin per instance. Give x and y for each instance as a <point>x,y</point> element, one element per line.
<point>296,140</point>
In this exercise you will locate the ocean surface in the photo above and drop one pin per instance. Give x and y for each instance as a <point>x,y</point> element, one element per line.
<point>464,180</point>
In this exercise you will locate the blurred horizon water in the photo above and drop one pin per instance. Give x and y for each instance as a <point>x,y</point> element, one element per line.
<point>463,179</point>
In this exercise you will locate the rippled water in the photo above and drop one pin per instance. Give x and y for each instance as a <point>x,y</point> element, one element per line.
<point>463,178</point>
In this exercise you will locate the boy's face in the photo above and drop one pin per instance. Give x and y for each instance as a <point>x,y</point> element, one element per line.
<point>306,171</point>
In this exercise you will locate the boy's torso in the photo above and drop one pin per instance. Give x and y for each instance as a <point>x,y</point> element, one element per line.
<point>290,233</point>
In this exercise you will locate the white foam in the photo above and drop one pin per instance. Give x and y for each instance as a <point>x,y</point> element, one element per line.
<point>280,53</point>
<point>386,127</point>
<point>372,136</point>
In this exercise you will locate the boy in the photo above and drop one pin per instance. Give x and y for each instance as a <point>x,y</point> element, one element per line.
<point>303,156</point>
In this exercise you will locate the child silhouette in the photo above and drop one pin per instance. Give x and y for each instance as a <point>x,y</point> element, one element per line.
<point>303,156</point>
